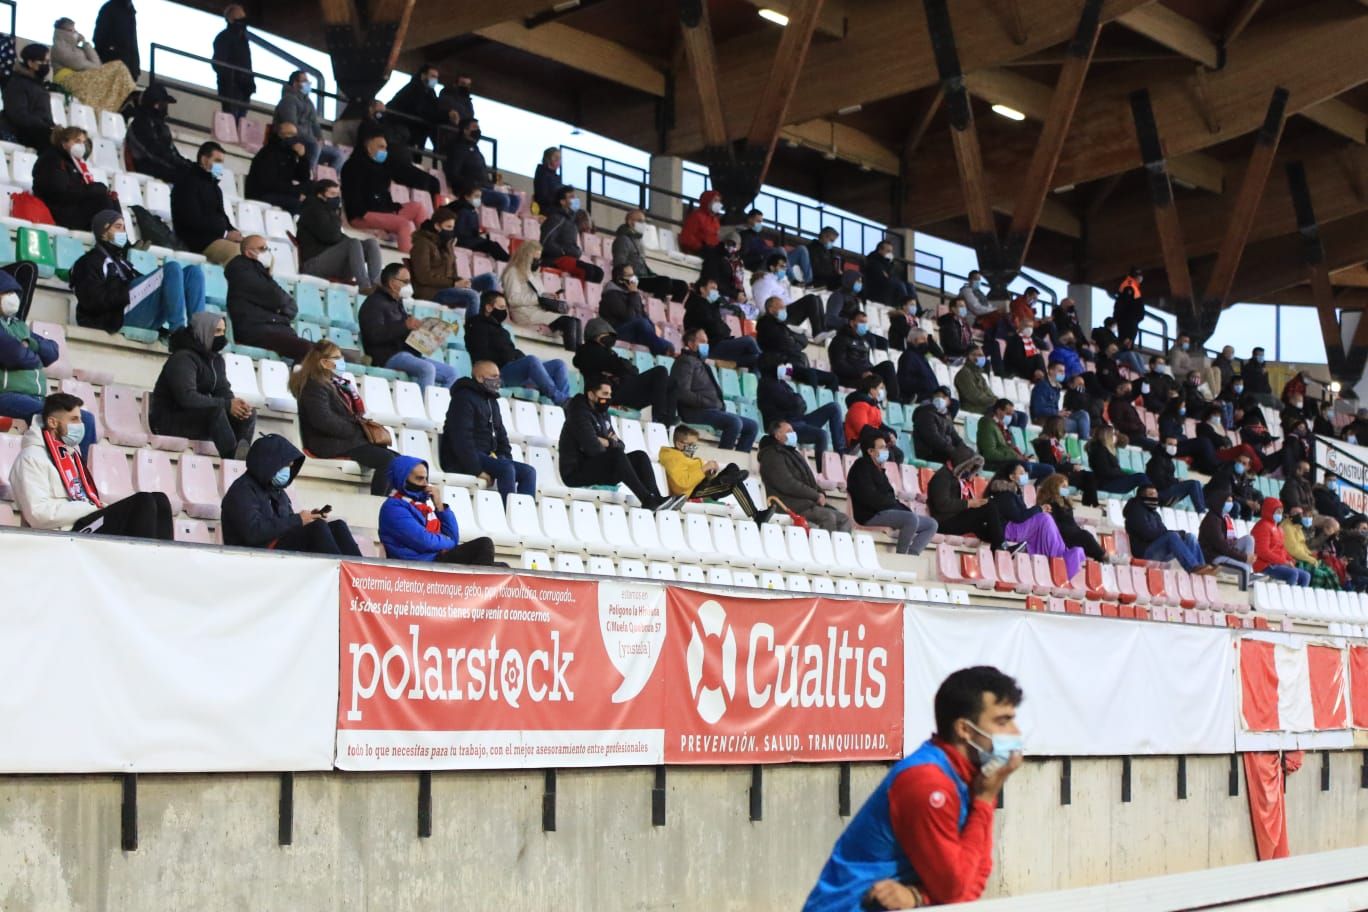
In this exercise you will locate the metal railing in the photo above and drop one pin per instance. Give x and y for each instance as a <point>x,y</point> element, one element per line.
<point>13,13</point>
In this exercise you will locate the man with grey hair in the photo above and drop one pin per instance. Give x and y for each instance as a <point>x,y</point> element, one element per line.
<point>262,312</point>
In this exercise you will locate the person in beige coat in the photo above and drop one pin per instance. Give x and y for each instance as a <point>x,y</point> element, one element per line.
<point>524,292</point>
<point>77,68</point>
<point>1185,357</point>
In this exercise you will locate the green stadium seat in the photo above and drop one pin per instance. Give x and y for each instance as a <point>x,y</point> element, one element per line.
<point>385,373</point>
<point>750,385</point>
<point>809,396</point>
<point>309,302</point>
<point>69,250</point>
<point>344,339</point>
<point>665,361</point>
<point>134,334</point>
<point>643,360</point>
<point>730,382</point>
<point>144,261</point>
<point>459,359</point>
<point>1074,447</point>
<point>825,395</point>
<point>341,312</point>
<point>314,332</point>
<point>896,417</point>
<point>36,247</point>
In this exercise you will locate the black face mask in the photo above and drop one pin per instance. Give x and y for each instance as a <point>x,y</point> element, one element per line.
<point>417,493</point>
<point>333,202</point>
<point>602,405</point>
<point>42,71</point>
<point>219,343</point>
<point>474,136</point>
<point>238,24</point>
<point>1151,502</point>
<point>288,141</point>
<point>446,234</point>
<point>498,316</point>
<point>536,264</point>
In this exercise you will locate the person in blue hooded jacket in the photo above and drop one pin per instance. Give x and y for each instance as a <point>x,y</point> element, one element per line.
<point>416,525</point>
<point>257,512</point>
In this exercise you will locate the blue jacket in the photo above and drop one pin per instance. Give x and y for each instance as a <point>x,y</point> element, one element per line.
<point>403,528</point>
<point>1073,365</point>
<point>1044,400</point>
<point>916,379</point>
<point>21,364</point>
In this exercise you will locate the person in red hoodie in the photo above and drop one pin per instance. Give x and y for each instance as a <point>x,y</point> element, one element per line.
<point>1270,554</point>
<point>701,227</point>
<point>864,408</point>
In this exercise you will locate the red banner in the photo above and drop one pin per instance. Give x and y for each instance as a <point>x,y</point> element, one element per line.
<point>775,680</point>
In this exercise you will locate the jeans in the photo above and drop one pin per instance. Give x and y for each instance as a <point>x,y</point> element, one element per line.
<point>1286,573</point>
<point>800,265</point>
<point>468,299</point>
<point>914,531</point>
<point>1079,423</point>
<point>401,224</point>
<point>737,433</point>
<point>1190,489</point>
<point>497,199</point>
<point>27,408</point>
<point>423,370</point>
<point>1244,568</point>
<point>318,153</point>
<point>744,351</point>
<point>1123,484</point>
<point>550,378</point>
<point>510,477</point>
<point>641,331</point>
<point>809,427</point>
<point>1038,470</point>
<point>351,257</point>
<point>485,281</point>
<point>180,297</point>
<point>1176,545</point>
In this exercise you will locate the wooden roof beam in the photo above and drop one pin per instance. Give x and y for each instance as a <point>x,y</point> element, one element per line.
<point>1340,117</point>
<point>846,143</point>
<point>1240,21</point>
<point>772,108</point>
<point>1278,263</point>
<point>433,22</point>
<point>1166,222</point>
<point>702,57</point>
<point>1313,256</point>
<point>830,23</point>
<point>582,51</point>
<point>1175,32</point>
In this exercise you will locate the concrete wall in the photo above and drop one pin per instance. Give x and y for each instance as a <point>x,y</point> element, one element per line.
<point>208,843</point>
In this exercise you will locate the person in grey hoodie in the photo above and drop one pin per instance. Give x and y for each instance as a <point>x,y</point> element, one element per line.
<point>297,107</point>
<point>193,398</point>
<point>627,251</point>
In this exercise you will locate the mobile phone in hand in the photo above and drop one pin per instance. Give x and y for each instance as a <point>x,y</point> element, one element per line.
<point>324,510</point>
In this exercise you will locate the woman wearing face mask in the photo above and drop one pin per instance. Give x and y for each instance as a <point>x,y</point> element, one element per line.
<point>1055,492</point>
<point>62,180</point>
<point>1033,526</point>
<point>1296,528</point>
<point>469,233</point>
<point>332,417</point>
<point>530,305</point>
<point>1219,541</point>
<point>416,525</point>
<point>193,398</point>
<point>110,294</point>
<point>432,263</point>
<point>1050,451</point>
<point>956,333</point>
<point>76,67</point>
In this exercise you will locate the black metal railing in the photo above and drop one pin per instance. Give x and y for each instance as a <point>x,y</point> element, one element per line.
<point>13,12</point>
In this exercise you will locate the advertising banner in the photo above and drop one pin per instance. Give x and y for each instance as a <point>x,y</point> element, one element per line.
<point>1350,462</point>
<point>755,680</point>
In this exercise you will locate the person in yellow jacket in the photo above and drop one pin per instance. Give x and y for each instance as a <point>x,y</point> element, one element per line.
<point>1294,527</point>
<point>690,477</point>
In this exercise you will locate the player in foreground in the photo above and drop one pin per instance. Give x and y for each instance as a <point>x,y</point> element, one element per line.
<point>925,836</point>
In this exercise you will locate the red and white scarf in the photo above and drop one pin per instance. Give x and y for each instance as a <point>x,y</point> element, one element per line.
<point>85,172</point>
<point>1029,344</point>
<point>430,519</point>
<point>1057,451</point>
<point>73,471</point>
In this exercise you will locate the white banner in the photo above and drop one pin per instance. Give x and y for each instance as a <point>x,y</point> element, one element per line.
<point>1093,688</point>
<point>1349,462</point>
<point>127,657</point>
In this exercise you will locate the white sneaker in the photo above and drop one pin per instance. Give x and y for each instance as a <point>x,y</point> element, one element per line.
<point>823,338</point>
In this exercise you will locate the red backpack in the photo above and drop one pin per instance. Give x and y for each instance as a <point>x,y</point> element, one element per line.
<point>26,206</point>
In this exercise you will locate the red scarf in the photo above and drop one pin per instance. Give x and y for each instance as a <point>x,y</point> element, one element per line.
<point>85,172</point>
<point>349,396</point>
<point>1057,450</point>
<point>1029,344</point>
<point>430,518</point>
<point>73,471</point>
<point>1230,526</point>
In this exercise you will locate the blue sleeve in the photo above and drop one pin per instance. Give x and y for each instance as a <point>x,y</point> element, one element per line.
<point>47,349</point>
<point>15,355</point>
<point>1042,403</point>
<point>406,529</point>
<point>449,527</point>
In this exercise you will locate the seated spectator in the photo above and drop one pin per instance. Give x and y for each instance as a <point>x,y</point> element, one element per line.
<point>433,266</point>
<point>900,321</point>
<point>1164,475</point>
<point>1325,496</point>
<point>701,226</point>
<point>1295,526</point>
<point>262,312</point>
<point>934,438</point>
<point>1219,541</point>
<point>1255,378</point>
<point>366,198</point>
<point>849,353</point>
<point>193,398</point>
<point>1254,430</point>
<point>1185,359</point>
<point>325,250</point>
<point>1213,447</point>
<point>27,116</point>
<point>1105,334</point>
<point>1224,364</point>
<point>148,145</point>
<point>1023,306</point>
<point>873,501</point>
<point>1064,321</point>
<point>1157,386</point>
<point>415,105</point>
<point>916,379</point>
<point>332,417</point>
<point>627,251</point>
<point>280,171</point>
<point>470,234</point>
<point>779,401</point>
<point>198,212</point>
<point>703,313</point>
<point>465,167</point>
<point>996,446</point>
<point>881,279</point>
<point>486,340</point>
<point>956,332</point>
<point>1106,467</point>
<point>560,239</point>
<point>788,478</point>
<point>592,454</point>
<point>54,491</point>
<point>950,498</point>
<point>753,243</point>
<point>1022,358</point>
<point>529,305</point>
<point>771,283</point>
<point>474,441</point>
<point>1066,355</point>
<point>1150,539</point>
<point>258,512</point>
<point>864,409</point>
<point>1270,552</point>
<point>976,299</point>
<point>1353,547</point>
<point>975,396</point>
<point>1049,448</point>
<point>621,305</point>
<point>546,180</point>
<point>700,396</point>
<point>385,328</point>
<point>77,68</point>
<point>1296,490</point>
<point>1045,403</point>
<point>778,343</point>
<point>399,161</point>
<point>1126,418</point>
<point>297,108</point>
<point>846,300</point>
<point>1034,527</point>
<point>416,525</point>
<point>631,387</point>
<point>1053,494</point>
<point>723,268</point>
<point>1297,446</point>
<point>691,478</point>
<point>110,294</point>
<point>1236,477</point>
<point>825,266</point>
<point>64,183</point>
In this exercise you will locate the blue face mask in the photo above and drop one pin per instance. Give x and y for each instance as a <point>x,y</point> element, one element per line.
<point>703,350</point>
<point>791,438</point>
<point>826,245</point>
<point>1023,479</point>
<point>939,403</point>
<point>1239,468</point>
<point>121,239</point>
<point>1182,410</point>
<point>1065,491</point>
<point>782,315</point>
<point>381,155</point>
<point>980,361</point>
<point>75,433</point>
<point>574,204</point>
<point>883,456</point>
<point>1059,378</point>
<point>861,329</point>
<point>305,87</point>
<point>216,169</point>
<point>857,287</point>
<point>281,478</point>
<point>1185,346</point>
<point>1227,506</point>
<point>713,296</point>
<point>1258,359</point>
<point>1004,745</point>
<point>1277,517</point>
<point>1306,522</point>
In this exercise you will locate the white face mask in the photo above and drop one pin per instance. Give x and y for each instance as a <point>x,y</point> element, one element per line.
<point>78,151</point>
<point>9,304</point>
<point>716,208</point>
<point>406,292</point>
<point>1171,450</point>
<point>266,259</point>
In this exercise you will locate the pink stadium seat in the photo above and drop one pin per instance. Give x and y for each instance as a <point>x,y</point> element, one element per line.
<point>911,480</point>
<point>510,224</point>
<point>480,264</point>
<point>1182,584</point>
<point>170,444</point>
<point>531,228</point>
<point>400,194</point>
<point>226,128</point>
<point>10,444</point>
<point>489,220</point>
<point>551,280</point>
<point>60,369</point>
<point>233,469</point>
<point>1007,574</point>
<point>1158,586</point>
<point>325,172</point>
<point>675,313</point>
<point>1059,576</point>
<point>1143,594</point>
<point>193,532</point>
<point>832,476</point>
<point>574,291</point>
<point>894,475</point>
<point>8,518</point>
<point>593,293</point>
<point>424,201</point>
<point>109,470</point>
<point>199,487</point>
<point>948,565</point>
<point>251,134</point>
<point>152,472</point>
<point>655,310</point>
<point>1025,572</point>
<point>123,416</point>
<point>1100,581</point>
<point>464,266</point>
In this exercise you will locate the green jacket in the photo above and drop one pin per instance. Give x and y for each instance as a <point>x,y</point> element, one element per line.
<point>22,359</point>
<point>993,446</point>
<point>972,386</point>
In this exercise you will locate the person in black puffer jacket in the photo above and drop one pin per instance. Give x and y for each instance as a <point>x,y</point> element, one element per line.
<point>779,401</point>
<point>631,388</point>
<point>193,398</point>
<point>257,512</point>
<point>474,441</point>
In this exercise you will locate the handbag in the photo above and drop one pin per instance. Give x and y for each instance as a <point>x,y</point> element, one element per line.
<point>376,433</point>
<point>554,305</point>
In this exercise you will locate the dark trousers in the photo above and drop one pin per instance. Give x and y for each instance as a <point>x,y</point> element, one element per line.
<point>651,388</point>
<point>1078,537</point>
<point>807,309</point>
<point>1087,485</point>
<point>217,425</point>
<point>143,515</point>
<point>984,521</point>
<point>819,427</point>
<point>1202,452</point>
<point>1123,484</point>
<point>402,170</point>
<point>580,269</point>
<point>722,485</point>
<point>371,456</point>
<point>509,477</point>
<point>614,466</point>
<point>290,202</point>
<point>320,537</point>
<point>886,372</point>
<point>814,377</point>
<point>664,287</point>
<point>492,249</point>
<point>234,95</point>
<point>280,339</point>
<point>477,552</point>
<point>571,330</point>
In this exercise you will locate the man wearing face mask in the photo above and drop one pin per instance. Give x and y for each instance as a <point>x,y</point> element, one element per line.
<point>470,234</point>
<point>779,343</point>
<point>416,525</point>
<point>916,379</point>
<point>385,327</point>
<point>433,263</point>
<point>691,478</point>
<point>798,311</point>
<point>925,835</point>
<point>788,478</point>
<point>465,166</point>
<point>779,401</point>
<point>474,441</point>
<point>703,311</point>
<point>366,198</point>
<point>1162,472</point>
<point>701,226</point>
<point>54,490</point>
<point>456,105</point>
<point>1296,490</point>
<point>971,383</point>
<point>325,251</point>
<point>849,354</point>
<point>297,107</point>
<point>956,332</point>
<point>110,294</point>
<point>883,282</point>
<point>400,160</point>
<point>873,501</point>
<point>1126,418</point>
<point>1045,402</point>
<point>631,388</point>
<point>63,180</point>
<point>486,340</point>
<point>1150,539</point>
<point>622,307</point>
<point>934,438</point>
<point>258,513</point>
<point>280,170</point>
<point>1326,498</point>
<point>416,105</point>
<point>27,115</point>
<point>825,265</point>
<point>723,269</point>
<point>1271,556</point>
<point>627,251</point>
<point>193,397</point>
<point>262,312</point>
<point>592,454</point>
<point>198,211</point>
<point>1221,543</point>
<point>975,298</point>
<point>149,145</point>
<point>560,239</point>
<point>700,396</point>
<point>233,62</point>
<point>1255,377</point>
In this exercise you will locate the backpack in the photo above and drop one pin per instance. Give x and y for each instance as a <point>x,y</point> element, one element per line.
<point>152,230</point>
<point>26,206</point>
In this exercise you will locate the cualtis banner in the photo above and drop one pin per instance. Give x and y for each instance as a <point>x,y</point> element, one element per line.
<point>496,671</point>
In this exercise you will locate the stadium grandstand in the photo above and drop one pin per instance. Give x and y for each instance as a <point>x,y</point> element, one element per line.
<point>380,525</point>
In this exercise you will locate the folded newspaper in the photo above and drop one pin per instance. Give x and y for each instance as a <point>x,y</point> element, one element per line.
<point>431,336</point>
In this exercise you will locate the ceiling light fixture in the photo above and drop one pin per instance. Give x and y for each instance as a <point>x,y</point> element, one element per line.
<point>566,6</point>
<point>1335,386</point>
<point>1009,113</point>
<point>773,15</point>
<point>850,109</point>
